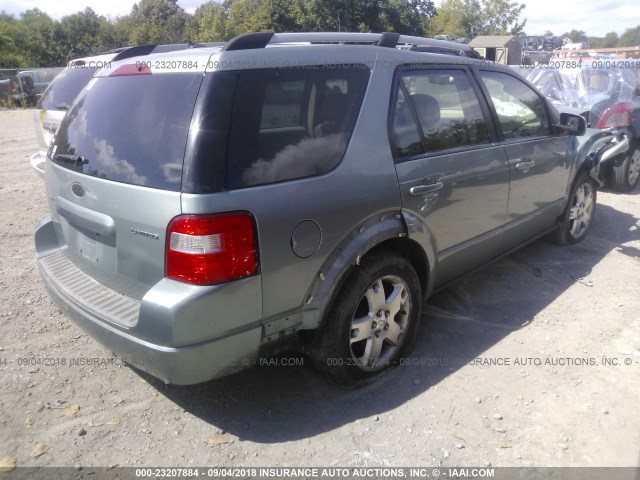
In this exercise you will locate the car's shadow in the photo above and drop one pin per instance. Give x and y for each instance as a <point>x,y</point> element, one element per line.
<point>284,403</point>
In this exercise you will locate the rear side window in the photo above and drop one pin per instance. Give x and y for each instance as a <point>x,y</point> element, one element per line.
<point>130,129</point>
<point>406,137</point>
<point>291,123</point>
<point>283,105</point>
<point>60,94</point>
<point>436,110</point>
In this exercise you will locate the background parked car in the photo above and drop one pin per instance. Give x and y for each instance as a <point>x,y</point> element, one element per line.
<point>607,93</point>
<point>41,77</point>
<point>57,98</point>
<point>18,90</point>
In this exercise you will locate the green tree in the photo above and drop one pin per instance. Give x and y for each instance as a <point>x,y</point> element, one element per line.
<point>450,19</point>
<point>242,17</point>
<point>208,23</point>
<point>118,34</point>
<point>345,16</point>
<point>157,21</point>
<point>576,36</point>
<point>501,17</point>
<point>43,41</point>
<point>630,37</point>
<point>404,16</point>
<point>608,41</point>
<point>11,55</point>
<point>407,17</point>
<point>469,18</point>
<point>276,16</point>
<point>82,31</point>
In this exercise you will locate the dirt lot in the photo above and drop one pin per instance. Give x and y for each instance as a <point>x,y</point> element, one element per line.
<point>560,325</point>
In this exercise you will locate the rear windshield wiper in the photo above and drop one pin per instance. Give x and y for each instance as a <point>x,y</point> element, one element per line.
<point>75,159</point>
<point>62,106</point>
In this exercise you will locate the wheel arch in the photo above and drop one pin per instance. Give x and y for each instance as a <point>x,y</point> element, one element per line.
<point>389,231</point>
<point>586,159</point>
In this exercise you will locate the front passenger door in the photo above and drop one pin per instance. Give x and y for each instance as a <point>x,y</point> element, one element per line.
<point>539,160</point>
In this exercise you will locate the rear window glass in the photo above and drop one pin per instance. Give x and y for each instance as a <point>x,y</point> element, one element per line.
<point>292,122</point>
<point>60,94</point>
<point>131,129</point>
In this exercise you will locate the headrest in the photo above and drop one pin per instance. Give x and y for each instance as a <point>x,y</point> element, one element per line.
<point>427,109</point>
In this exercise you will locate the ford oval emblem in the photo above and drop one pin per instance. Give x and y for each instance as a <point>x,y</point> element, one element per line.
<point>77,190</point>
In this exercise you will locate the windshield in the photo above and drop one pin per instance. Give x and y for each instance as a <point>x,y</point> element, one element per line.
<point>130,129</point>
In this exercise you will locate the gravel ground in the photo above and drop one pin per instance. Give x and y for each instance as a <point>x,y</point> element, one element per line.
<point>521,364</point>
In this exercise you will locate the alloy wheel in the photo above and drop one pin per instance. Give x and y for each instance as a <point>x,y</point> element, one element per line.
<point>379,323</point>
<point>581,211</point>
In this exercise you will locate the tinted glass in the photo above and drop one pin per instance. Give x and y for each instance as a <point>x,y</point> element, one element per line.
<point>406,140</point>
<point>446,108</point>
<point>283,105</point>
<point>131,129</point>
<point>27,85</point>
<point>521,112</point>
<point>60,94</point>
<point>292,122</point>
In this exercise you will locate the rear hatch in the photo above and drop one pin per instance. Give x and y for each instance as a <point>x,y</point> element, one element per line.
<point>115,174</point>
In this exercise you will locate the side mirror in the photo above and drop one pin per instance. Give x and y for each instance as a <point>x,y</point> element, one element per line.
<point>573,124</point>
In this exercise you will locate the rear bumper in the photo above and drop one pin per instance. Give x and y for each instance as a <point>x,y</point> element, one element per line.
<point>166,310</point>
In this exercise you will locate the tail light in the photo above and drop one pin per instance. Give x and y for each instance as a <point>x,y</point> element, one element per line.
<point>211,249</point>
<point>12,87</point>
<point>617,115</point>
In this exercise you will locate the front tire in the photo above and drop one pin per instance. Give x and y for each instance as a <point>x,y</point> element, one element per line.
<point>624,177</point>
<point>578,215</point>
<point>372,321</point>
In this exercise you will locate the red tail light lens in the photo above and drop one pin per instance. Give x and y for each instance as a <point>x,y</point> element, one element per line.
<point>211,249</point>
<point>617,115</point>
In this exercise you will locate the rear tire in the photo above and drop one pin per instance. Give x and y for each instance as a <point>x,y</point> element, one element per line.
<point>624,177</point>
<point>578,215</point>
<point>372,321</point>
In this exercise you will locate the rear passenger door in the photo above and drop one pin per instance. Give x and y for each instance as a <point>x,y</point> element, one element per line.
<point>282,138</point>
<point>539,159</point>
<point>452,174</point>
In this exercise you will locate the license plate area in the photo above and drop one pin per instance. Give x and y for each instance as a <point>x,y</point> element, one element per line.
<point>93,248</point>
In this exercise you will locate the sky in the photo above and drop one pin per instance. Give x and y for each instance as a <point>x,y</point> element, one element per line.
<point>595,17</point>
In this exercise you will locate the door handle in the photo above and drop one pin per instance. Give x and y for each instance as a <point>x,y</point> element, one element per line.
<point>422,189</point>
<point>525,165</point>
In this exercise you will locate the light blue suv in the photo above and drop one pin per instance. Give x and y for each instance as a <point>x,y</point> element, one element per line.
<point>297,191</point>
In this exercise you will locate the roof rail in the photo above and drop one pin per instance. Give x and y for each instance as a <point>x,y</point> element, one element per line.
<point>114,50</point>
<point>457,51</point>
<point>387,39</point>
<point>249,41</point>
<point>141,50</point>
<point>136,51</point>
